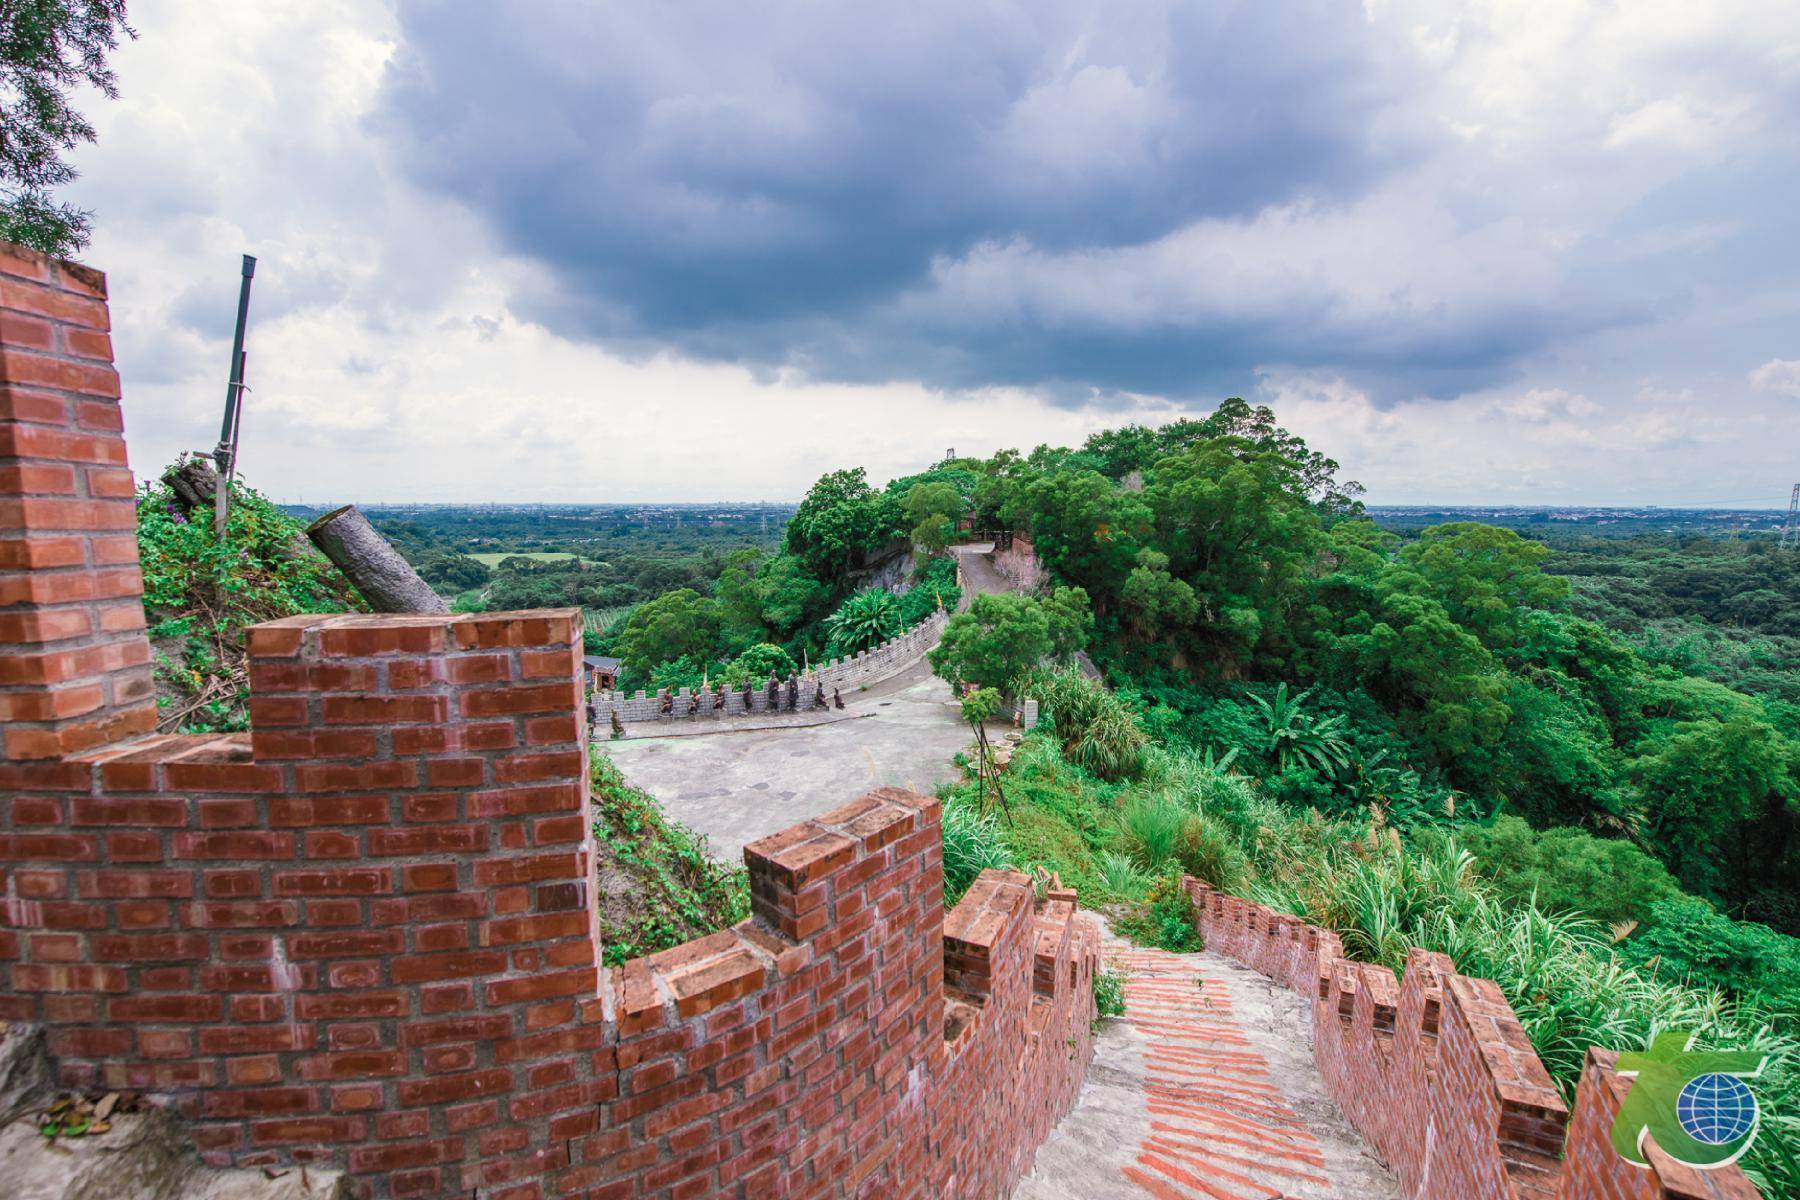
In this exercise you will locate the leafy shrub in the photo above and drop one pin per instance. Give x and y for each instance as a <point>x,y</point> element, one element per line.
<point>756,664</point>
<point>1167,922</point>
<point>932,587</point>
<point>1121,875</point>
<point>1151,828</point>
<point>972,844</point>
<point>1569,870</point>
<point>1690,940</point>
<point>1099,732</point>
<point>1206,850</point>
<point>200,594</point>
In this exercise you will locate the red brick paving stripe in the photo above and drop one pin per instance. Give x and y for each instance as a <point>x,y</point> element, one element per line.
<point>1187,1179</point>
<point>1294,1154</point>
<point>1210,1163</point>
<point>1177,1147</point>
<point>1155,1186</point>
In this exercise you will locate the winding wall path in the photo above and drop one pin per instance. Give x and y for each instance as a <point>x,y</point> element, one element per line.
<point>1204,1090</point>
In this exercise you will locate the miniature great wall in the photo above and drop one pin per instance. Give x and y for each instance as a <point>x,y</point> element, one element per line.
<point>360,937</point>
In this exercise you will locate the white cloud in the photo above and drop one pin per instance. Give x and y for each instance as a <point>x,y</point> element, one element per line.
<point>1778,376</point>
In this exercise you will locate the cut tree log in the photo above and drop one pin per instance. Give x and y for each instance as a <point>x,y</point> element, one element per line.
<point>372,566</point>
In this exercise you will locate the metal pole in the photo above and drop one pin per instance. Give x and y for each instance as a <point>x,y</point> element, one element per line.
<point>228,428</point>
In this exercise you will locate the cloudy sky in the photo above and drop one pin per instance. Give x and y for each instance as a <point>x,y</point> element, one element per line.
<point>1522,251</point>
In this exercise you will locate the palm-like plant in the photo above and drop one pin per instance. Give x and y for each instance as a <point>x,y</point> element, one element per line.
<point>864,621</point>
<point>1292,735</point>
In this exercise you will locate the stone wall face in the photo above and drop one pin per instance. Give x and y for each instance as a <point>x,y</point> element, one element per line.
<point>1436,1073</point>
<point>857,671</point>
<point>363,933</point>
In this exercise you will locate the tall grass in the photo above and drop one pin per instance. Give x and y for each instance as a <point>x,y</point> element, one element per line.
<point>1152,827</point>
<point>1099,733</point>
<point>972,844</point>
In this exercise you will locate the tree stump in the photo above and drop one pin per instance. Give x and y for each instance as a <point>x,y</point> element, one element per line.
<point>372,566</point>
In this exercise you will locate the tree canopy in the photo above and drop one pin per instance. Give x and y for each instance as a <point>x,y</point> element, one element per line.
<point>49,48</point>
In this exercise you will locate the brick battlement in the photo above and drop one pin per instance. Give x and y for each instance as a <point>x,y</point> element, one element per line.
<point>363,933</point>
<point>1437,1074</point>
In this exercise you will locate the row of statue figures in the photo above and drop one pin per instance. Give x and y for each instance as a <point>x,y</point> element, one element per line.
<point>777,692</point>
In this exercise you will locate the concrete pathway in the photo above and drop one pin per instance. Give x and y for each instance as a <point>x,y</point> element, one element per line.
<point>1204,1090</point>
<point>737,787</point>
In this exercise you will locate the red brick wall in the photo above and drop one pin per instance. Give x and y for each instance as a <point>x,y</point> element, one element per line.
<point>361,934</point>
<point>74,667</point>
<point>1437,1074</point>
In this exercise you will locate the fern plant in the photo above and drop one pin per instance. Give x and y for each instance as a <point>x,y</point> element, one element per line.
<point>1293,736</point>
<point>864,621</point>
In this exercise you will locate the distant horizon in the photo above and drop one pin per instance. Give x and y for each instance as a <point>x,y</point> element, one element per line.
<point>1445,506</point>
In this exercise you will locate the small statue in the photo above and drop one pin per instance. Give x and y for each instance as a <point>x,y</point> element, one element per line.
<point>837,697</point>
<point>668,703</point>
<point>774,693</point>
<point>819,697</point>
<point>719,700</point>
<point>693,703</point>
<point>618,729</point>
<point>749,696</point>
<point>793,694</point>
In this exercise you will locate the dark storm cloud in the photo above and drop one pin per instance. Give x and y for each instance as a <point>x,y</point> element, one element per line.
<point>812,185</point>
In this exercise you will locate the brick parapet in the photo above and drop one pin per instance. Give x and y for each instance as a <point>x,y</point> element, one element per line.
<point>1437,1074</point>
<point>362,933</point>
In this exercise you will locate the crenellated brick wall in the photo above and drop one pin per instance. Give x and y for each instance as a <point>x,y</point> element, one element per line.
<point>362,933</point>
<point>1437,1074</point>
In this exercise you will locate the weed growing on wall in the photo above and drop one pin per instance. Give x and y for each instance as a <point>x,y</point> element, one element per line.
<point>1109,994</point>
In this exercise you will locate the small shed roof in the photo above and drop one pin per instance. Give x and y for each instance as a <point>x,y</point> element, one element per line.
<point>597,662</point>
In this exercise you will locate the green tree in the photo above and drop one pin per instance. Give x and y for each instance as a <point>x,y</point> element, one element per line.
<point>999,638</point>
<point>1238,527</point>
<point>1569,870</point>
<point>841,520</point>
<point>1086,530</point>
<point>931,509</point>
<point>678,624</point>
<point>1071,620</point>
<point>48,49</point>
<point>1703,785</point>
<point>1157,605</point>
<point>1485,576</point>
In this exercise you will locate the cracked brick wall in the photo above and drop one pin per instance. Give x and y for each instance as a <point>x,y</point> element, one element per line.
<point>1435,1071</point>
<point>361,934</point>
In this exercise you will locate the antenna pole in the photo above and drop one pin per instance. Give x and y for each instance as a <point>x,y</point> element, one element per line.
<point>226,453</point>
<point>1790,533</point>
